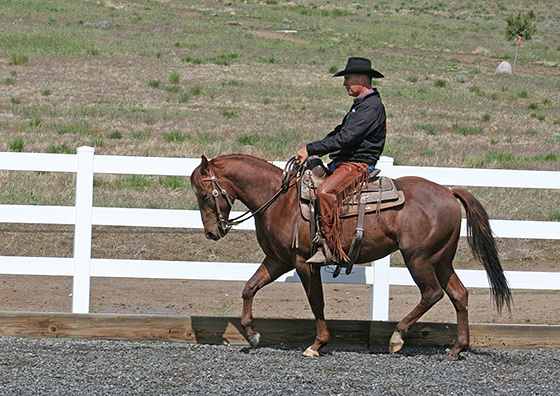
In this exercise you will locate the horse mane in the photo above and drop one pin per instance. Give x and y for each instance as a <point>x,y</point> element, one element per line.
<point>221,161</point>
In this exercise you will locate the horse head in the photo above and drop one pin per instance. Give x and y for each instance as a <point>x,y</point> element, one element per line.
<point>214,200</point>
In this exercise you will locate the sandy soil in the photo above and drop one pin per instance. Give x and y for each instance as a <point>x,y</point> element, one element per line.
<point>281,300</point>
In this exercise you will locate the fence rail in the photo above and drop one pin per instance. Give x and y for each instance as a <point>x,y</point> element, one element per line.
<point>83,216</point>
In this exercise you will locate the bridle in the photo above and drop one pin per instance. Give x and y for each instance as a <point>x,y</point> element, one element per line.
<point>291,171</point>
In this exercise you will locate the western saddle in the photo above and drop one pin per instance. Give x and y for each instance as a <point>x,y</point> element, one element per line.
<point>379,193</point>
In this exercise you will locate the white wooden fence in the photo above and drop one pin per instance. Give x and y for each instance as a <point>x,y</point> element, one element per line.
<point>83,216</point>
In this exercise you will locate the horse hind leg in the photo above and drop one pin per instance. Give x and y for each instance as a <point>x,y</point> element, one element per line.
<point>459,296</point>
<point>431,292</point>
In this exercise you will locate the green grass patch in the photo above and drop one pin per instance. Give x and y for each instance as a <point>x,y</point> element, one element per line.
<point>467,130</point>
<point>175,137</point>
<point>174,182</point>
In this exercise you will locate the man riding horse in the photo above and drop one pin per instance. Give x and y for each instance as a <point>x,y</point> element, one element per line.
<point>354,147</point>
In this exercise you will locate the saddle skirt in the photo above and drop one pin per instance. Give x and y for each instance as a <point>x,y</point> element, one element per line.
<point>379,193</point>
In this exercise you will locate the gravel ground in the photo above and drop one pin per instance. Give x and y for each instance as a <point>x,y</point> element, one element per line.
<point>78,367</point>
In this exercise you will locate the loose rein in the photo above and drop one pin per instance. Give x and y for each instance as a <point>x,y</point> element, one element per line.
<point>291,171</point>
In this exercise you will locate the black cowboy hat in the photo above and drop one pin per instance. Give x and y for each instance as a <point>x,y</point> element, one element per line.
<point>359,66</point>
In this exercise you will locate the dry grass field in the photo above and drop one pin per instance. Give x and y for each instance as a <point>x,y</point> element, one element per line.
<point>180,79</point>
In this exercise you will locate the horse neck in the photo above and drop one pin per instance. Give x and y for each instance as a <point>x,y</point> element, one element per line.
<point>253,181</point>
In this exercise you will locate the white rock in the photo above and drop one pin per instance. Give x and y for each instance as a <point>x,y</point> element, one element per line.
<point>504,67</point>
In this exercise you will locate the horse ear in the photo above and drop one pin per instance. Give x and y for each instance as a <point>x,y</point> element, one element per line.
<point>205,165</point>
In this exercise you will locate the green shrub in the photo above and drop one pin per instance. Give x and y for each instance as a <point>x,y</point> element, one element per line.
<point>333,69</point>
<point>16,144</point>
<point>486,117</point>
<point>522,94</point>
<point>522,24</point>
<point>195,90</point>
<point>184,98</point>
<point>440,83</point>
<point>46,92</point>
<point>532,106</point>
<point>154,83</point>
<point>461,79</point>
<point>412,79</point>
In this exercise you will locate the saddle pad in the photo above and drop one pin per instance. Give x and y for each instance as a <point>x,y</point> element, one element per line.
<point>391,196</point>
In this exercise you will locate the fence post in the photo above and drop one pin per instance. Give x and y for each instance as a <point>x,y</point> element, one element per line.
<point>379,301</point>
<point>82,230</point>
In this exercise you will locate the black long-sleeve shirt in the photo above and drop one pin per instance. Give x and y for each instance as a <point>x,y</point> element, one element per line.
<point>361,135</point>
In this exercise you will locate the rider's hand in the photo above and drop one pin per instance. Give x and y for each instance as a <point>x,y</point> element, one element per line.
<point>302,155</point>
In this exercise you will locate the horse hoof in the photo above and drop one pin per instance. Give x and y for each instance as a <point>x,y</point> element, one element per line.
<point>254,339</point>
<point>311,353</point>
<point>396,343</point>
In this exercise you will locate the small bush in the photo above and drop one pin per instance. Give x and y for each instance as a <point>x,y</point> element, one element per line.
<point>440,83</point>
<point>486,117</point>
<point>333,69</point>
<point>461,79</point>
<point>195,90</point>
<point>412,79</point>
<point>174,78</point>
<point>16,144</point>
<point>154,83</point>
<point>175,137</point>
<point>46,92</point>
<point>9,81</point>
<point>522,24</point>
<point>532,106</point>
<point>522,94</point>
<point>15,101</point>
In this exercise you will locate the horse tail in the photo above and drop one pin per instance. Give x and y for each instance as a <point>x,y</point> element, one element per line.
<point>483,246</point>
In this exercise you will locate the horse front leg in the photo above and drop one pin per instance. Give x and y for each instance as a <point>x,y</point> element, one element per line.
<point>268,272</point>
<point>313,286</point>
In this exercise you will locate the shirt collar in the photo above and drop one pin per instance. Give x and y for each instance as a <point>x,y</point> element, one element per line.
<point>358,99</point>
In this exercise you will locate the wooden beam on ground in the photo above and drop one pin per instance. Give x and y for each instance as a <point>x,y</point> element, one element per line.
<point>274,332</point>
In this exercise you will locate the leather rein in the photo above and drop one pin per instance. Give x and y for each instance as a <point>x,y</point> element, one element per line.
<point>291,171</point>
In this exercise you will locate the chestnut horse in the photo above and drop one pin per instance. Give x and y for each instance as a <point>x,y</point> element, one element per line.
<point>425,229</point>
